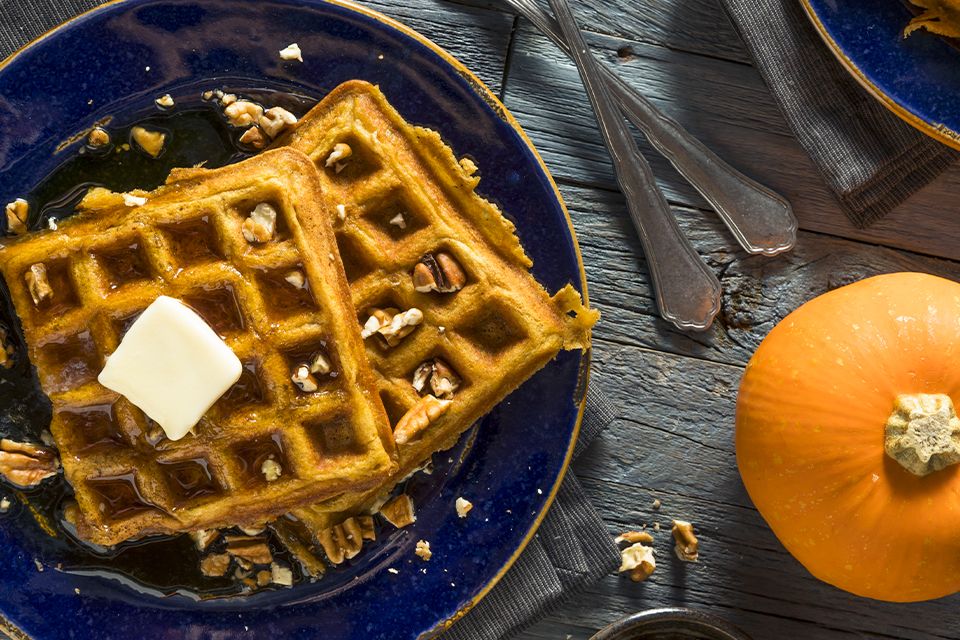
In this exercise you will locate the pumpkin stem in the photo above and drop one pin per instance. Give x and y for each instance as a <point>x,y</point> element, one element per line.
<point>923,433</point>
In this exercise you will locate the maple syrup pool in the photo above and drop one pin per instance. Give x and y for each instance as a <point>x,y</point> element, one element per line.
<point>161,565</point>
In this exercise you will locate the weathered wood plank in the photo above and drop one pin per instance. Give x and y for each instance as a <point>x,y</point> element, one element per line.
<point>675,444</point>
<point>757,292</point>
<point>476,36</point>
<point>698,26</point>
<point>723,103</point>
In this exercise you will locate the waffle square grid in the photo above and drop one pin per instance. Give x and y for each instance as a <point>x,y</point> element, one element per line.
<point>108,264</point>
<point>494,332</point>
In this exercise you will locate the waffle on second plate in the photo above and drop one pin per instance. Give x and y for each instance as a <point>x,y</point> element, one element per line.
<point>416,238</point>
<point>276,304</point>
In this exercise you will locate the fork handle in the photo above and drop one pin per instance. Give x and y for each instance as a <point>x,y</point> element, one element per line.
<point>687,292</point>
<point>761,220</point>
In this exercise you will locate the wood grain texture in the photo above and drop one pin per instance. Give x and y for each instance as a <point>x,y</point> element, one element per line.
<point>726,105</point>
<point>478,37</point>
<point>758,292</point>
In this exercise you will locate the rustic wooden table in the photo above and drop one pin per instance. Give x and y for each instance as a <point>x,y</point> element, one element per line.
<point>677,391</point>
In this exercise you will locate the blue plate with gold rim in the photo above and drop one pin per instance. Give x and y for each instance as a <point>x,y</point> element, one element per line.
<point>917,78</point>
<point>112,63</point>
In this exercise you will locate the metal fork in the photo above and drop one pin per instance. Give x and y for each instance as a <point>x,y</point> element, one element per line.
<point>687,292</point>
<point>761,220</point>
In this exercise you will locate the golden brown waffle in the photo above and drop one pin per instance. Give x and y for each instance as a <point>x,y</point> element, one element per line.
<point>111,261</point>
<point>494,332</point>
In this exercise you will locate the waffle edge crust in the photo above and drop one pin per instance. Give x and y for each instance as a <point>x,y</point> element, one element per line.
<point>111,260</point>
<point>494,332</point>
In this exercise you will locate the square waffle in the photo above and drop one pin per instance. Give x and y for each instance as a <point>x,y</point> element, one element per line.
<point>491,333</point>
<point>111,261</point>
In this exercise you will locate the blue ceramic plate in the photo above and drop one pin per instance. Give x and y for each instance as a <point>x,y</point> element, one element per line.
<point>918,78</point>
<point>113,62</point>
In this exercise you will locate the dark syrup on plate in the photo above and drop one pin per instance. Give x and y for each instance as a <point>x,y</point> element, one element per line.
<point>160,565</point>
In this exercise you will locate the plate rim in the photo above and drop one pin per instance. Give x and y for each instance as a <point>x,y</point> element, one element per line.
<point>483,91</point>
<point>939,131</point>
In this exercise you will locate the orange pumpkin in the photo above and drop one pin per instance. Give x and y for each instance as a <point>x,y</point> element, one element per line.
<point>847,401</point>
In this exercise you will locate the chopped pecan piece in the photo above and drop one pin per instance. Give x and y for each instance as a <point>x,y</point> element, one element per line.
<point>398,511</point>
<point>304,379</point>
<point>98,137</point>
<point>252,549</point>
<point>345,540</point>
<point>17,213</point>
<point>401,325</point>
<point>26,465</point>
<point>150,141</point>
<point>422,375</point>
<point>241,113</point>
<point>38,284</point>
<point>271,470</point>
<point>378,318</point>
<point>444,382</point>
<point>639,560</point>
<point>261,225</point>
<point>291,52</point>
<point>321,364</point>
<point>341,152</point>
<point>419,418</point>
<point>399,221</point>
<point>423,550</point>
<point>687,546</point>
<point>296,279</point>
<point>254,137</point>
<point>634,537</point>
<point>464,507</point>
<point>391,324</point>
<point>203,538</point>
<point>215,565</point>
<point>281,575</point>
<point>438,272</point>
<point>275,120</point>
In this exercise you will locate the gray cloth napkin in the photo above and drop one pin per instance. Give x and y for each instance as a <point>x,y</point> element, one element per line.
<point>572,548</point>
<point>871,159</point>
<point>571,551</point>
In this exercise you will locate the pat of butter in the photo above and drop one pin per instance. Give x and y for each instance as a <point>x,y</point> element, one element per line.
<point>171,365</point>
